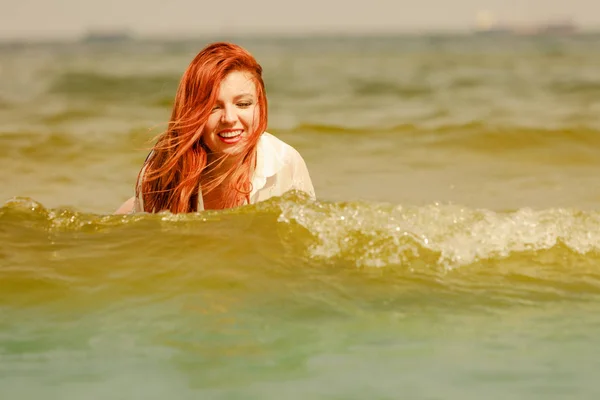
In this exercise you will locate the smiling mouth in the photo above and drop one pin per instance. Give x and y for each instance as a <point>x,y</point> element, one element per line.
<point>230,134</point>
<point>230,137</point>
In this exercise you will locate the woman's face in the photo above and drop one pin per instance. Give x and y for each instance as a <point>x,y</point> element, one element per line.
<point>234,116</point>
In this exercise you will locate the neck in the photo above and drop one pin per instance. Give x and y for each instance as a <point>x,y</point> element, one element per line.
<point>214,197</point>
<point>213,178</point>
<point>217,165</point>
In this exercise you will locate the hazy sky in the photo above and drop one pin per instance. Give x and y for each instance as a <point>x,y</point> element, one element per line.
<point>64,18</point>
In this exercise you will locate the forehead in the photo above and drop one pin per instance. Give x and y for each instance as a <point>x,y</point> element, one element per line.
<point>237,83</point>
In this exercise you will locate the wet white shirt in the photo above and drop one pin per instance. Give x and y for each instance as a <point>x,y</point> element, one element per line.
<point>279,169</point>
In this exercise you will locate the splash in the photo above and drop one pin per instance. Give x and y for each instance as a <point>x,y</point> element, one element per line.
<point>377,235</point>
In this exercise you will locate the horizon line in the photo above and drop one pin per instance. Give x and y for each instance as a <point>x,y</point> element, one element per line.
<point>130,34</point>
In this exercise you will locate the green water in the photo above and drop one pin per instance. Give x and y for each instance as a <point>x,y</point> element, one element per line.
<point>453,251</point>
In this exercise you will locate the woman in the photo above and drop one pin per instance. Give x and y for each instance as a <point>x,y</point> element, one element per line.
<point>215,153</point>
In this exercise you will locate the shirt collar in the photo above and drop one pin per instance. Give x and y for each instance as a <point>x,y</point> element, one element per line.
<point>268,162</point>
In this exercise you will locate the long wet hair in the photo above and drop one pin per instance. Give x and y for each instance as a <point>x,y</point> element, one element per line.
<point>171,175</point>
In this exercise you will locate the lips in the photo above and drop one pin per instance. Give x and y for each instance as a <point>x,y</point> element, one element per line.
<point>230,136</point>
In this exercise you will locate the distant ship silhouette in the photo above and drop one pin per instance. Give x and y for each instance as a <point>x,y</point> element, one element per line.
<point>487,25</point>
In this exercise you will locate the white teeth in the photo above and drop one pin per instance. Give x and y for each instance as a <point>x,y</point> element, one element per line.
<point>230,134</point>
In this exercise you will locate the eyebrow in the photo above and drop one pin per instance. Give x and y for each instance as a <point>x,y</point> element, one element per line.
<point>239,96</point>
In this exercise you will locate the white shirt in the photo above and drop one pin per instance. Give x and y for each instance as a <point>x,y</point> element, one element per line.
<point>279,169</point>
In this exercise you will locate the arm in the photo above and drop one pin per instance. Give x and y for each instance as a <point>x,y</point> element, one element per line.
<point>127,207</point>
<point>133,204</point>
<point>301,177</point>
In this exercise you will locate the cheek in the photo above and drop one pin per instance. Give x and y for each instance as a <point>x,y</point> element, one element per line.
<point>250,117</point>
<point>211,124</point>
<point>208,135</point>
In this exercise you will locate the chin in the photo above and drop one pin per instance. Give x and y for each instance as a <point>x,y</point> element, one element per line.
<point>231,151</point>
<point>228,150</point>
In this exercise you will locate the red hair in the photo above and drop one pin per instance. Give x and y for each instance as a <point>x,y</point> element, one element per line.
<point>172,173</point>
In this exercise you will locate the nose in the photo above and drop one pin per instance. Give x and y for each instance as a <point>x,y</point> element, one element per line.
<point>229,116</point>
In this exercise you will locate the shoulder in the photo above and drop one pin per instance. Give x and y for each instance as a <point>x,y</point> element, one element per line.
<point>276,157</point>
<point>275,147</point>
<point>269,139</point>
<point>279,159</point>
<point>284,157</point>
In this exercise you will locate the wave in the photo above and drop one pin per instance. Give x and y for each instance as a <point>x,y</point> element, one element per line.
<point>374,235</point>
<point>586,88</point>
<point>360,234</point>
<point>571,144</point>
<point>327,258</point>
<point>362,87</point>
<point>567,147</point>
<point>71,115</point>
<point>62,146</point>
<point>96,86</point>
